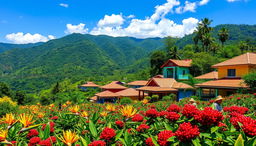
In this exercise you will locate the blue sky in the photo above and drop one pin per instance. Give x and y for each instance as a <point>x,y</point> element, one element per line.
<point>29,21</point>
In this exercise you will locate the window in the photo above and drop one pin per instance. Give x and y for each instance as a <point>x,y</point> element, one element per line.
<point>231,72</point>
<point>184,72</point>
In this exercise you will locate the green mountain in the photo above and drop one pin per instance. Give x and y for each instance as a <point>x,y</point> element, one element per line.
<point>5,46</point>
<point>73,57</point>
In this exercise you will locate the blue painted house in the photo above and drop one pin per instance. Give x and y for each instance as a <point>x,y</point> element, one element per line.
<point>177,69</point>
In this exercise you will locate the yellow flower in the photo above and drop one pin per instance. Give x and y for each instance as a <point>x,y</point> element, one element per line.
<point>103,114</point>
<point>74,109</point>
<point>64,105</point>
<point>26,119</point>
<point>128,111</point>
<point>69,137</point>
<point>9,119</point>
<point>68,102</point>
<point>84,114</point>
<point>144,101</point>
<point>3,135</point>
<point>110,107</point>
<point>40,115</point>
<point>7,99</point>
<point>51,105</point>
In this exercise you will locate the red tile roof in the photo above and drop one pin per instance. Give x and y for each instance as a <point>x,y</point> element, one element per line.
<point>245,59</point>
<point>130,92</point>
<point>157,89</point>
<point>138,83</point>
<point>181,63</point>
<point>224,83</point>
<point>113,85</point>
<point>208,76</point>
<point>106,94</point>
<point>90,84</point>
<point>169,82</point>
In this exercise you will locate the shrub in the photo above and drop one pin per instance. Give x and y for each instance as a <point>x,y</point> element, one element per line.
<point>125,100</point>
<point>167,98</point>
<point>7,106</point>
<point>148,98</point>
<point>250,80</point>
<point>155,97</point>
<point>173,97</point>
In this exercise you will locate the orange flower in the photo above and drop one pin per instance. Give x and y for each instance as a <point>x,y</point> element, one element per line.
<point>40,115</point>
<point>68,102</point>
<point>110,107</point>
<point>84,114</point>
<point>103,114</point>
<point>3,135</point>
<point>144,101</point>
<point>74,109</point>
<point>128,111</point>
<point>9,119</point>
<point>69,137</point>
<point>26,119</point>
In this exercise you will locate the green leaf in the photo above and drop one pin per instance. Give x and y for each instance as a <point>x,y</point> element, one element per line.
<point>214,129</point>
<point>154,141</point>
<point>46,131</point>
<point>93,129</point>
<point>119,134</point>
<point>167,127</point>
<point>196,142</point>
<point>171,139</point>
<point>207,135</point>
<point>84,142</point>
<point>239,141</point>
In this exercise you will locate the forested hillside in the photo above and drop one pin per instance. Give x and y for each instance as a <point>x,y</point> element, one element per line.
<point>79,57</point>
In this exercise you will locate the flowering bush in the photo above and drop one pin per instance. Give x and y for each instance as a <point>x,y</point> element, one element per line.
<point>187,132</point>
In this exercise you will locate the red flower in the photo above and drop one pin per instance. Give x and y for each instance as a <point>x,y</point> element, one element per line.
<point>149,142</point>
<point>162,113</point>
<point>209,117</point>
<point>248,124</point>
<point>54,118</point>
<point>152,113</point>
<point>108,133</point>
<point>45,143</point>
<point>173,108</point>
<point>172,116</point>
<point>189,110</point>
<point>32,133</point>
<point>13,143</point>
<point>237,109</point>
<point>98,143</point>
<point>52,139</point>
<point>163,136</point>
<point>238,98</point>
<point>120,124</point>
<point>33,141</point>
<point>187,132</point>
<point>52,124</point>
<point>142,128</point>
<point>137,118</point>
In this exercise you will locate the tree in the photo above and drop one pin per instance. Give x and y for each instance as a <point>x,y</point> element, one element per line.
<point>207,41</point>
<point>172,49</point>
<point>223,35</point>
<point>56,89</point>
<point>157,59</point>
<point>5,90</point>
<point>250,80</point>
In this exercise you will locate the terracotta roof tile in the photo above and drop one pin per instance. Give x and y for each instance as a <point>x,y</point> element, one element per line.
<point>208,76</point>
<point>130,92</point>
<point>245,59</point>
<point>224,83</point>
<point>106,94</point>
<point>156,89</point>
<point>179,85</point>
<point>113,85</point>
<point>138,83</point>
<point>90,84</point>
<point>181,63</point>
<point>94,98</point>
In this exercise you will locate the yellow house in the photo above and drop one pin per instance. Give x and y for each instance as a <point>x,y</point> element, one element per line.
<point>230,73</point>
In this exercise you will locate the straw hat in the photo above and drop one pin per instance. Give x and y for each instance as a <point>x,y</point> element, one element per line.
<point>192,100</point>
<point>219,98</point>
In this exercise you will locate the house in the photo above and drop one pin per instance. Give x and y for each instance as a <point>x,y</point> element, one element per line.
<point>230,73</point>
<point>165,86</point>
<point>130,93</point>
<point>88,85</point>
<point>106,96</point>
<point>137,84</point>
<point>113,87</point>
<point>177,69</point>
<point>208,76</point>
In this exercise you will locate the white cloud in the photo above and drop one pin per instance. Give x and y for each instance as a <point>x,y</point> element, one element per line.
<point>21,38</point>
<point>189,6</point>
<point>64,5</point>
<point>203,2</point>
<point>80,28</point>
<point>111,21</point>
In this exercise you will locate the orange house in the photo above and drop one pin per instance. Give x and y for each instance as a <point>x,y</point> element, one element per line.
<point>230,73</point>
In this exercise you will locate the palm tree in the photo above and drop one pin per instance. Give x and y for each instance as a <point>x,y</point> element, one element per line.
<point>223,35</point>
<point>207,40</point>
<point>204,26</point>
<point>173,53</point>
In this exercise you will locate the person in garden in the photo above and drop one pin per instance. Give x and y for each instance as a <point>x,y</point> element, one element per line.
<point>217,103</point>
<point>193,102</point>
